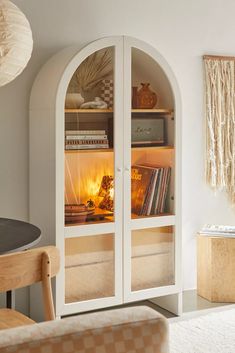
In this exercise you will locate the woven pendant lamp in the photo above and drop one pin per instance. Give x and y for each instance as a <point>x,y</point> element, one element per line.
<point>16,42</point>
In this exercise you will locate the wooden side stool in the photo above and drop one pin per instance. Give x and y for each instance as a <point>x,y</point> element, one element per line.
<point>216,268</point>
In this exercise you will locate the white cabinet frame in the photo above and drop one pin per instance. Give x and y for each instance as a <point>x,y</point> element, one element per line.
<point>47,170</point>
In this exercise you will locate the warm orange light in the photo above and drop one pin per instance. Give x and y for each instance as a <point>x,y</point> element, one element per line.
<point>111,193</point>
<point>83,176</point>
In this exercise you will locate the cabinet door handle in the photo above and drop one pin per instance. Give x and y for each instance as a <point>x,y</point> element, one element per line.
<point>127,169</point>
<point>119,169</point>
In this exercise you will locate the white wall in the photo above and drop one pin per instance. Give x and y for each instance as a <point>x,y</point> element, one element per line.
<point>182,31</point>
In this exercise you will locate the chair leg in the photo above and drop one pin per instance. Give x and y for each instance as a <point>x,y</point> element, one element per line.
<point>49,311</point>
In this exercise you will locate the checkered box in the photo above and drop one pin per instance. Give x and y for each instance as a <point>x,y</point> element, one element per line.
<point>107,92</point>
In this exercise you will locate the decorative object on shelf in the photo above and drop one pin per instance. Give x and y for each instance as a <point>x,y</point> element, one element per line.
<point>146,99</point>
<point>90,204</point>
<point>74,212</point>
<point>73,100</point>
<point>16,42</point>
<point>107,192</point>
<point>220,123</point>
<point>134,100</point>
<point>95,68</point>
<point>147,131</point>
<point>107,92</point>
<point>98,103</point>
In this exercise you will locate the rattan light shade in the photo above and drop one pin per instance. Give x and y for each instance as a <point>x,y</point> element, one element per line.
<point>16,42</point>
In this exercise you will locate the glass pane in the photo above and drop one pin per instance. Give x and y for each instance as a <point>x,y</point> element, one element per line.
<point>89,154</point>
<point>152,139</point>
<point>152,258</point>
<point>89,267</point>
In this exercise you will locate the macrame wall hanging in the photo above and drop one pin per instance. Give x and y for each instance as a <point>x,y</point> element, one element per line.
<point>220,123</point>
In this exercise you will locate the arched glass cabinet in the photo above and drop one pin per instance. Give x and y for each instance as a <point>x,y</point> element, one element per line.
<point>105,173</point>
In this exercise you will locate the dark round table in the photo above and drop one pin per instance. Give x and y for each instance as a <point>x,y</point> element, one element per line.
<point>16,236</point>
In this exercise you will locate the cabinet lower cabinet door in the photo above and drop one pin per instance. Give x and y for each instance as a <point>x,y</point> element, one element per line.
<point>89,268</point>
<point>152,258</point>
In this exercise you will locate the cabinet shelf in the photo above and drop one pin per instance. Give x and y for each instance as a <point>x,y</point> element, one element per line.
<point>99,150</point>
<point>135,216</point>
<point>89,111</point>
<point>99,216</point>
<point>110,111</point>
<point>153,147</point>
<point>155,111</point>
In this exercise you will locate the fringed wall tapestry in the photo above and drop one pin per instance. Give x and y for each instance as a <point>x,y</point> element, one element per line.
<point>220,123</point>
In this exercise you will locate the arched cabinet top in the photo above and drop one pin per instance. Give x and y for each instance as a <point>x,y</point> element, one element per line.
<point>52,81</point>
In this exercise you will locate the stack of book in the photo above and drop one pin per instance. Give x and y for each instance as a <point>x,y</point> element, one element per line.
<point>149,187</point>
<point>218,230</point>
<point>86,139</point>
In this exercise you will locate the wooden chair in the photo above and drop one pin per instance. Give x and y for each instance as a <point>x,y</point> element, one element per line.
<point>22,269</point>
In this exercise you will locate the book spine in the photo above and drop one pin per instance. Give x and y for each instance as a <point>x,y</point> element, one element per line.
<point>85,132</point>
<point>158,191</point>
<point>86,137</point>
<point>152,193</point>
<point>147,196</point>
<point>162,190</point>
<point>86,147</point>
<point>166,190</point>
<point>87,142</point>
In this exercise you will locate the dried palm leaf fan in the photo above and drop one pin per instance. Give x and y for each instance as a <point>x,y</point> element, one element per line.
<point>92,71</point>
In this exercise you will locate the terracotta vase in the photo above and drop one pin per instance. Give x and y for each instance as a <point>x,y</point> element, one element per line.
<point>134,101</point>
<point>146,98</point>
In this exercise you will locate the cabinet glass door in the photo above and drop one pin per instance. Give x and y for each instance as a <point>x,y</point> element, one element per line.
<point>89,268</point>
<point>149,214</point>
<point>91,204</point>
<point>152,139</point>
<point>152,258</point>
<point>89,149</point>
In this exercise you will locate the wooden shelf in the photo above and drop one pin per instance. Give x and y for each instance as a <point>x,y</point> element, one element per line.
<point>86,111</point>
<point>98,150</point>
<point>156,111</point>
<point>90,150</point>
<point>99,216</point>
<point>102,111</point>
<point>135,216</point>
<point>153,147</point>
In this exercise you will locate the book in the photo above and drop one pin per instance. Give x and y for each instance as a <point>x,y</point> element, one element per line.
<point>140,180</point>
<point>85,132</point>
<point>85,147</point>
<point>165,189</point>
<point>149,198</point>
<point>87,142</point>
<point>149,187</point>
<point>152,194</point>
<point>217,230</point>
<point>85,137</point>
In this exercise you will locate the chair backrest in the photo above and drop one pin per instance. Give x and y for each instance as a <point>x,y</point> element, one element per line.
<point>24,268</point>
